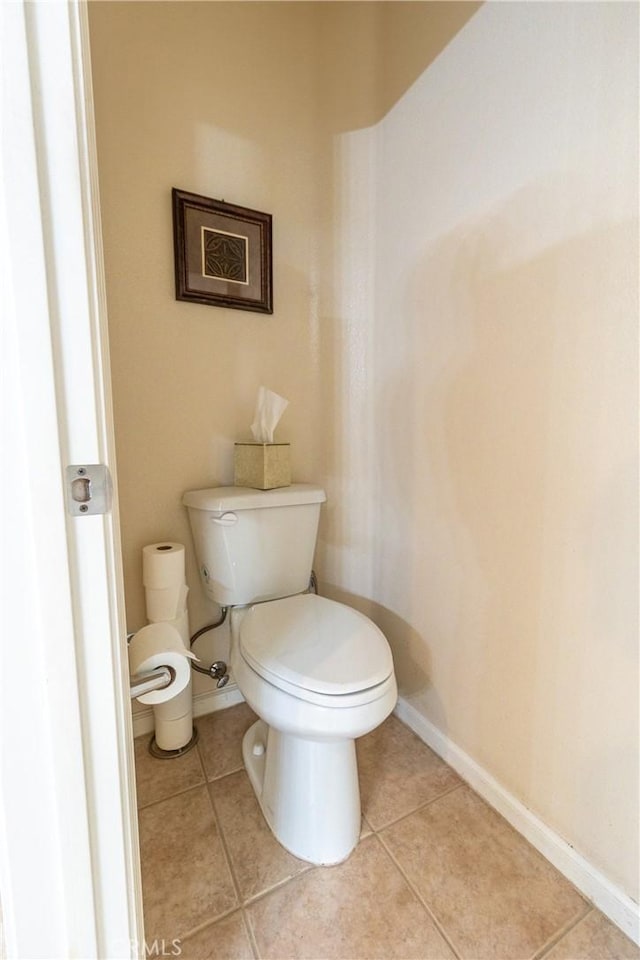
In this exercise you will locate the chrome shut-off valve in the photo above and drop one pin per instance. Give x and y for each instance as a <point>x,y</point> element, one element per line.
<point>218,671</point>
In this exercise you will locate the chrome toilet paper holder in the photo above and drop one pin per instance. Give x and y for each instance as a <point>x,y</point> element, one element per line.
<point>142,683</point>
<point>156,679</point>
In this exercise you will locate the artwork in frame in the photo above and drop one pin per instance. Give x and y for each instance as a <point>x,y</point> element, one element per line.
<point>222,253</point>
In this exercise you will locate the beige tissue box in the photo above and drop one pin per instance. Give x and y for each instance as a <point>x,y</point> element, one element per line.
<point>262,466</point>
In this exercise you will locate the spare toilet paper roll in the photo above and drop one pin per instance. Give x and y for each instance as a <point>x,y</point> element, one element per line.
<point>163,565</point>
<point>181,623</point>
<point>160,645</point>
<point>173,734</point>
<point>178,706</point>
<point>167,603</point>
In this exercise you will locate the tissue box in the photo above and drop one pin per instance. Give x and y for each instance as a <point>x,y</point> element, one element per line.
<point>262,466</point>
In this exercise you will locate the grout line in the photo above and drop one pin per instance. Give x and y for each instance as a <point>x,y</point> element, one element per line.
<point>559,935</point>
<point>249,902</point>
<point>250,933</point>
<point>225,849</point>
<point>421,806</point>
<point>535,852</point>
<point>178,793</point>
<point>421,900</point>
<point>246,901</point>
<point>200,757</point>
<point>218,776</point>
<point>193,931</point>
<point>227,773</point>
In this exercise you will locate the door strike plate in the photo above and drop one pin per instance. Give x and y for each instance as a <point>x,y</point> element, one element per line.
<point>88,489</point>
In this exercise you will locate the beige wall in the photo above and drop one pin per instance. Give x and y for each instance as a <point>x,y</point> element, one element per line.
<point>455,305</point>
<point>221,100</point>
<point>238,101</point>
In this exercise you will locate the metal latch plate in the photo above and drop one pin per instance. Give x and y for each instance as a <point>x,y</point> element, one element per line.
<point>88,489</point>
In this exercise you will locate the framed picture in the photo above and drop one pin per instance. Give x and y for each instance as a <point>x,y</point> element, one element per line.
<point>222,253</point>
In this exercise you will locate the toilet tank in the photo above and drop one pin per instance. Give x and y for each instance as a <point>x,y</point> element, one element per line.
<point>254,545</point>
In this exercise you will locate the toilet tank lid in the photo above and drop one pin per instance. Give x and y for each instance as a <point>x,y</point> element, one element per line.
<point>221,499</point>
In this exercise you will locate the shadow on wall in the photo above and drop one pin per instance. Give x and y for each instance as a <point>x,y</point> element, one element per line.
<point>495,526</point>
<point>411,657</point>
<point>375,51</point>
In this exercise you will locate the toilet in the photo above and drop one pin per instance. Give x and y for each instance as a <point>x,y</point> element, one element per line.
<point>317,673</point>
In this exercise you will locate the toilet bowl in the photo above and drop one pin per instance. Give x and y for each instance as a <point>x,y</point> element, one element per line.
<point>317,673</point>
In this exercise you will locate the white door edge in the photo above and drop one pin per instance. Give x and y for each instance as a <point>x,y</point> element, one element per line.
<point>70,876</point>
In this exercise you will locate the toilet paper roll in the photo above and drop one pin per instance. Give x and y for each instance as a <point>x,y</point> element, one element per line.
<point>181,624</point>
<point>177,707</point>
<point>163,565</point>
<point>160,645</point>
<point>167,603</point>
<point>173,734</point>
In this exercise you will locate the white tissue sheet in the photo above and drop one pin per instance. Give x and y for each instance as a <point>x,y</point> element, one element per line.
<point>269,408</point>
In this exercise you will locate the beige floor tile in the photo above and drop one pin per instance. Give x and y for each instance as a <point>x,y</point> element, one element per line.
<point>594,938</point>
<point>258,860</point>
<point>493,894</point>
<point>225,940</point>
<point>220,743</point>
<point>360,909</point>
<point>159,779</point>
<point>398,773</point>
<point>185,875</point>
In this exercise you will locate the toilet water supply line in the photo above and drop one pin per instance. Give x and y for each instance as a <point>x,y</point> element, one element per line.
<point>161,677</point>
<point>218,669</point>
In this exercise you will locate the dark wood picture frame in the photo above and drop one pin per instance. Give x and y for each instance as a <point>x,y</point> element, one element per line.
<point>222,253</point>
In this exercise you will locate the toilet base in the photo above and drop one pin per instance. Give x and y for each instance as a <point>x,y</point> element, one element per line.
<point>307,790</point>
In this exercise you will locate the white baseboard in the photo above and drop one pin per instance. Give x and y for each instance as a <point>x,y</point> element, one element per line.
<point>615,904</point>
<point>202,703</point>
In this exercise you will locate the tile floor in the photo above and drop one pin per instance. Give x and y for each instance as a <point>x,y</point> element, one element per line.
<point>437,874</point>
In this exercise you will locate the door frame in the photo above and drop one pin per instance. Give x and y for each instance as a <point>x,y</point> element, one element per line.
<point>70,874</point>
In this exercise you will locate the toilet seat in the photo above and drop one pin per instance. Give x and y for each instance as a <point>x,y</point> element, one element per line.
<point>318,650</point>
